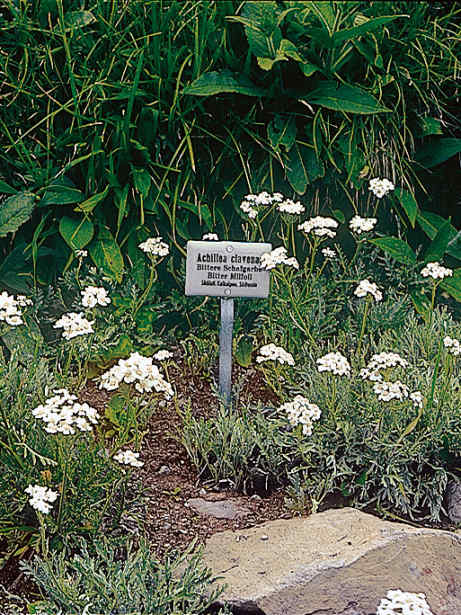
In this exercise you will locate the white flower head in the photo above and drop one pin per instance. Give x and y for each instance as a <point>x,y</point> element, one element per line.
<point>288,206</point>
<point>334,362</point>
<point>155,247</point>
<point>41,498</point>
<point>10,311</point>
<point>252,202</point>
<point>81,254</point>
<point>73,325</point>
<point>453,345</point>
<point>271,352</point>
<point>436,271</point>
<point>129,458</point>
<point>278,256</point>
<point>387,391</point>
<point>380,187</point>
<point>398,602</point>
<point>319,226</point>
<point>328,253</point>
<point>301,411</point>
<point>417,399</point>
<point>94,295</point>
<point>368,288</point>
<point>362,225</point>
<point>162,355</point>
<point>61,413</point>
<point>210,237</point>
<point>378,362</point>
<point>139,370</point>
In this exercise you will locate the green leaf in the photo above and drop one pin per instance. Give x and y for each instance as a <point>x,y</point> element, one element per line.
<point>13,270</point>
<point>439,244</point>
<point>408,202</point>
<point>452,285</point>
<point>6,188</point>
<point>397,248</point>
<point>88,205</point>
<point>296,170</point>
<point>142,180</point>
<point>339,215</point>
<point>324,12</point>
<point>421,303</point>
<point>430,126</point>
<point>347,98</point>
<point>219,82</point>
<point>308,68</point>
<point>438,151</point>
<point>61,194</point>
<point>244,350</point>
<point>106,254</point>
<point>282,131</point>
<point>201,210</point>
<point>76,233</point>
<point>261,29</point>
<point>79,19</point>
<point>370,25</point>
<point>14,211</point>
<point>430,222</point>
<point>115,410</point>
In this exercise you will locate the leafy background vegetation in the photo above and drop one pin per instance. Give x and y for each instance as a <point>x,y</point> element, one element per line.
<point>120,117</point>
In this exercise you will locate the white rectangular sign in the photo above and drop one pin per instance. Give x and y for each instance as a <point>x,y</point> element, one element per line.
<point>226,269</point>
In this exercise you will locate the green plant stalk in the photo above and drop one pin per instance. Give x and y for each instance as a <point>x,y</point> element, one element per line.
<point>364,320</point>
<point>63,488</point>
<point>152,279</point>
<point>295,307</point>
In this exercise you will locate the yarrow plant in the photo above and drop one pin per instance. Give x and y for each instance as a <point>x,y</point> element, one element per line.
<point>276,257</point>
<point>334,362</point>
<point>387,391</point>
<point>381,361</point>
<point>137,369</point>
<point>162,355</point>
<point>73,325</point>
<point>362,225</point>
<point>380,187</point>
<point>328,253</point>
<point>63,414</point>
<point>94,295</point>
<point>301,411</point>
<point>41,498</point>
<point>210,237</point>
<point>453,345</point>
<point>251,203</point>
<point>271,352</point>
<point>129,458</point>
<point>290,207</point>
<point>436,271</point>
<point>319,226</point>
<point>154,246</point>
<point>368,288</point>
<point>10,311</point>
<point>398,602</point>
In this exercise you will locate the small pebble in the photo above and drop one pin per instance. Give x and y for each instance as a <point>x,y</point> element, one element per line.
<point>202,491</point>
<point>256,497</point>
<point>264,537</point>
<point>163,470</point>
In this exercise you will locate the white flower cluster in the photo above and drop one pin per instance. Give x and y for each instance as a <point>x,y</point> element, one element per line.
<point>210,237</point>
<point>319,226</point>
<point>328,253</point>
<point>380,361</point>
<point>368,288</point>
<point>9,308</point>
<point>162,355</point>
<point>386,391</point>
<point>453,345</point>
<point>129,458</point>
<point>398,602</point>
<point>41,498</point>
<point>94,295</point>
<point>288,206</point>
<point>271,352</point>
<point>81,253</point>
<point>278,256</point>
<point>138,369</point>
<point>362,225</point>
<point>417,399</point>
<point>155,246</point>
<point>62,413</point>
<point>251,202</point>
<point>301,411</point>
<point>435,270</point>
<point>74,324</point>
<point>334,362</point>
<point>380,187</point>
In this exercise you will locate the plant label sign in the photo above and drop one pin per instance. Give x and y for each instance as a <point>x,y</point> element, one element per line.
<point>226,269</point>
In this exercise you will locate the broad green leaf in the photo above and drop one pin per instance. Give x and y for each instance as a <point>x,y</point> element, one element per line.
<point>339,215</point>
<point>61,194</point>
<point>430,126</point>
<point>201,210</point>
<point>452,285</point>
<point>421,302</point>
<point>439,244</point>
<point>430,222</point>
<point>106,254</point>
<point>219,82</point>
<point>24,339</point>
<point>308,68</point>
<point>244,350</point>
<point>282,131</point>
<point>454,246</point>
<point>347,98</point>
<point>296,170</point>
<point>76,233</point>
<point>289,49</point>
<point>144,320</point>
<point>314,167</point>
<point>88,205</point>
<point>411,426</point>
<point>370,25</point>
<point>14,211</point>
<point>437,152</point>
<point>324,12</point>
<point>6,188</point>
<point>397,248</point>
<point>408,202</point>
<point>13,271</point>
<point>141,180</point>
<point>79,19</point>
<point>261,28</point>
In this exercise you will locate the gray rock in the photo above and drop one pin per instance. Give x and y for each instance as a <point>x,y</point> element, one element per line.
<point>339,562</point>
<point>221,509</point>
<point>454,501</point>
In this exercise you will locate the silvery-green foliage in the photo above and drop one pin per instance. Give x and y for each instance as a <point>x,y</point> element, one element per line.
<point>120,578</point>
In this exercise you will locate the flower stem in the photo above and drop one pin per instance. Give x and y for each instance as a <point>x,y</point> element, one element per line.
<point>364,320</point>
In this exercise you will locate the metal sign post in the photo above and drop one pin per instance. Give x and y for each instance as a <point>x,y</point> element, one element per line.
<point>225,350</point>
<point>226,269</point>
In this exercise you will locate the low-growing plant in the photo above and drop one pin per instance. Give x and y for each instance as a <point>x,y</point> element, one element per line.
<point>119,578</point>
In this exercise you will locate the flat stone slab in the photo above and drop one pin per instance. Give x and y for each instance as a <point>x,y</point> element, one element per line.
<point>454,501</point>
<point>339,562</point>
<point>221,509</point>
